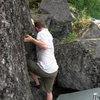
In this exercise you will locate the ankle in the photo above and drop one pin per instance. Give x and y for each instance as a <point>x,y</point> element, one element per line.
<point>37,83</point>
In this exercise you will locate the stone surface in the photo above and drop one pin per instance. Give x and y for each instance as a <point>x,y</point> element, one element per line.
<point>14,76</point>
<point>91,40</point>
<point>59,17</point>
<point>14,81</point>
<point>79,66</point>
<point>90,94</point>
<point>58,9</point>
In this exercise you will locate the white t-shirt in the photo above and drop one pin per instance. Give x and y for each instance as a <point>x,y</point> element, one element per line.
<point>46,58</point>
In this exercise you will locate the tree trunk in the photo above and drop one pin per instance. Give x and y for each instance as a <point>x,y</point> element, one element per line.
<point>14,23</point>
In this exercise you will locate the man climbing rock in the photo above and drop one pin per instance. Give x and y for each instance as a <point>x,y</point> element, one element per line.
<point>46,66</point>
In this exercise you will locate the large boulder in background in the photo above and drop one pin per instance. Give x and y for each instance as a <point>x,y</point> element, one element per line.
<point>79,62</point>
<point>58,17</point>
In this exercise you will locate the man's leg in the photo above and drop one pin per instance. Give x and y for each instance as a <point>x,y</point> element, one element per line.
<point>33,68</point>
<point>49,96</point>
<point>35,78</point>
<point>47,86</point>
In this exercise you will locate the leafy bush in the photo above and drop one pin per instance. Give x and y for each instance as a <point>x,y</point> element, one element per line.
<point>34,3</point>
<point>82,20</point>
<point>92,6</point>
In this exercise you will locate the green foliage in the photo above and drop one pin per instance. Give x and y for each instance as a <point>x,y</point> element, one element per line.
<point>81,21</point>
<point>72,8</point>
<point>92,6</point>
<point>34,3</point>
<point>70,38</point>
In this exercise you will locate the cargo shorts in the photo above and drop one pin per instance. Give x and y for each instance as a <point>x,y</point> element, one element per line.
<point>47,79</point>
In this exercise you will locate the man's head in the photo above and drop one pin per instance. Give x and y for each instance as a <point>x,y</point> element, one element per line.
<point>39,24</point>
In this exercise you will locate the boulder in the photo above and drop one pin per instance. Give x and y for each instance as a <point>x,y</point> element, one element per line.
<point>59,17</point>
<point>79,62</point>
<point>14,79</point>
<point>15,23</point>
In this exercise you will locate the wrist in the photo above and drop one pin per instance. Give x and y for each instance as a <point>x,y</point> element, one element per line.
<point>32,39</point>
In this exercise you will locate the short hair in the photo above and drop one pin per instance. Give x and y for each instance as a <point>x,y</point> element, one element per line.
<point>40,23</point>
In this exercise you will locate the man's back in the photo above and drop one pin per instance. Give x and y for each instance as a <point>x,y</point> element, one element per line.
<point>46,58</point>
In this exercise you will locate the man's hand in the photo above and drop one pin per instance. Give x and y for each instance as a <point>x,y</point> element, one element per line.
<point>32,21</point>
<point>28,38</point>
<point>39,43</point>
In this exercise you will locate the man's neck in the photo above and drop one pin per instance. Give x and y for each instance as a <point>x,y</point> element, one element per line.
<point>42,29</point>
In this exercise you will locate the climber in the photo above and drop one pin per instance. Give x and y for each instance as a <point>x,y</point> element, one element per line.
<point>46,66</point>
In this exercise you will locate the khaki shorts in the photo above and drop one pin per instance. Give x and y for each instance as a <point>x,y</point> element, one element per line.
<point>47,79</point>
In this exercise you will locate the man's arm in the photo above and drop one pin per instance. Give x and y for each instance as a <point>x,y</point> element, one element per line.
<point>40,44</point>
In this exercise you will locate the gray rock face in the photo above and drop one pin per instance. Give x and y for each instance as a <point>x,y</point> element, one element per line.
<point>59,17</point>
<point>79,65</point>
<point>14,24</point>
<point>58,9</point>
<point>91,40</point>
<point>37,93</point>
